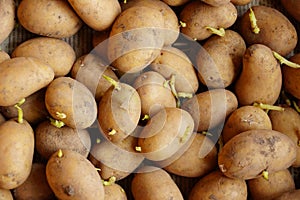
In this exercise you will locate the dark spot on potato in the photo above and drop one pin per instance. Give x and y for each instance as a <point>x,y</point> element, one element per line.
<point>69,190</point>
<point>260,141</point>
<point>212,197</point>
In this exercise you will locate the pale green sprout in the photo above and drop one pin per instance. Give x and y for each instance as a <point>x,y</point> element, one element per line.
<point>20,111</point>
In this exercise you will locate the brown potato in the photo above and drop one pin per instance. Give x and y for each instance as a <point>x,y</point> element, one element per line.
<point>243,119</point>
<point>71,175</point>
<point>291,76</point>
<point>250,153</point>
<point>154,183</point>
<point>278,183</point>
<point>7,16</point>
<point>29,75</point>
<point>16,147</point>
<point>36,186</point>
<point>99,15</point>
<point>220,60</point>
<point>261,78</point>
<point>292,195</point>
<point>53,19</point>
<point>198,160</point>
<point>114,192</point>
<point>71,102</point>
<point>288,123</point>
<point>198,15</point>
<point>4,56</point>
<point>276,31</point>
<point>49,139</point>
<point>55,52</point>
<point>210,108</point>
<point>292,7</point>
<point>5,194</point>
<point>217,186</point>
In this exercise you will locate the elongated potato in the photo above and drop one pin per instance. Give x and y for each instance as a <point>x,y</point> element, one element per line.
<point>253,152</point>
<point>7,16</point>
<point>29,75</point>
<point>16,147</point>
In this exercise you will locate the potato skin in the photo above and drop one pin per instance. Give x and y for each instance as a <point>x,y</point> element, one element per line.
<point>261,77</point>
<point>240,2</point>
<point>5,195</point>
<point>70,97</point>
<point>176,2</point>
<point>55,52</point>
<point>249,153</point>
<point>73,176</point>
<point>278,182</point>
<point>276,31</point>
<point>216,2</point>
<point>17,147</point>
<point>7,16</point>
<point>292,195</point>
<point>292,7</point>
<point>29,75</point>
<point>97,14</point>
<point>217,186</point>
<point>48,18</point>
<point>291,77</point>
<point>114,192</point>
<point>4,56</point>
<point>154,184</point>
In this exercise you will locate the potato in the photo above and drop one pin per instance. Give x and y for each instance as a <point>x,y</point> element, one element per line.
<point>220,60</point>
<point>5,194</point>
<point>278,183</point>
<point>292,7</point>
<point>198,160</point>
<point>243,119</point>
<point>99,15</point>
<point>154,183</point>
<point>292,195</point>
<point>49,139</point>
<point>166,133</point>
<point>288,123</point>
<point>36,186</point>
<point>250,153</point>
<point>89,70</point>
<point>198,15</point>
<point>53,19</point>
<point>291,77</point>
<point>4,56</point>
<point>240,2</point>
<point>176,2</point>
<point>119,112</point>
<point>71,102</point>
<point>114,192</point>
<point>55,52</point>
<point>261,78</point>
<point>7,16</point>
<point>173,61</point>
<point>29,75</point>
<point>171,26</point>
<point>71,175</point>
<point>135,39</point>
<point>210,108</point>
<point>116,159</point>
<point>34,109</point>
<point>217,186</point>
<point>153,93</point>
<point>16,147</point>
<point>216,2</point>
<point>276,31</point>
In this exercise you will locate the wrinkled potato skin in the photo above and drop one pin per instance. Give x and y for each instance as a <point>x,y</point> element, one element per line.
<point>49,139</point>
<point>291,77</point>
<point>36,186</point>
<point>61,173</point>
<point>243,119</point>
<point>114,192</point>
<point>55,52</point>
<point>288,123</point>
<point>4,56</point>
<point>249,153</point>
<point>7,16</point>
<point>277,184</point>
<point>48,18</point>
<point>97,14</point>
<point>155,184</point>
<point>5,194</point>
<point>29,75</point>
<point>197,15</point>
<point>217,186</point>
<point>276,31</point>
<point>16,162</point>
<point>292,7</point>
<point>292,195</point>
<point>261,78</point>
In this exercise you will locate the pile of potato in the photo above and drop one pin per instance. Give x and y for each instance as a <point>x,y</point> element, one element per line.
<point>177,99</point>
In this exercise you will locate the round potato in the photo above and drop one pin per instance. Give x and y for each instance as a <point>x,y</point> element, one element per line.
<point>4,56</point>
<point>251,153</point>
<point>7,16</point>
<point>29,75</point>
<point>55,52</point>
<point>5,194</point>
<point>291,77</point>
<point>48,18</point>
<point>71,175</point>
